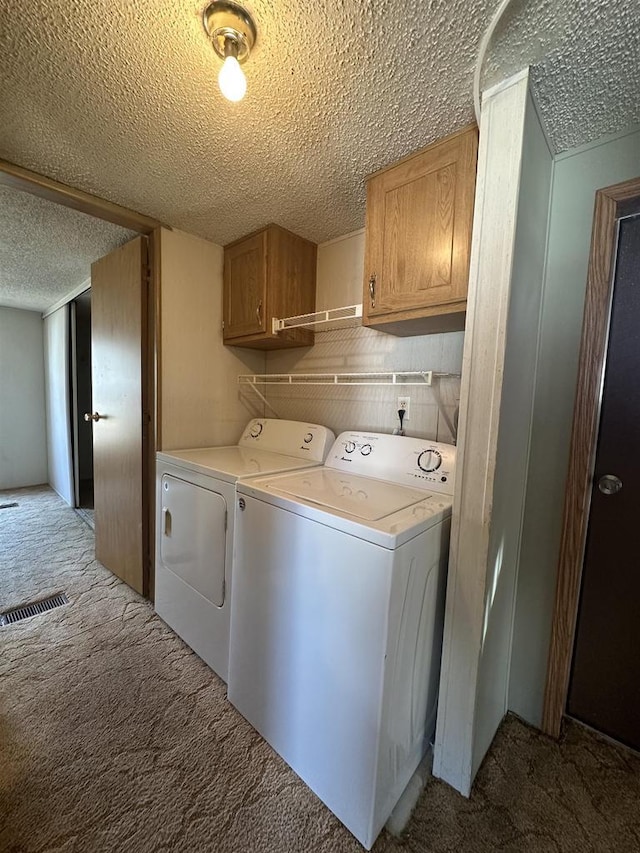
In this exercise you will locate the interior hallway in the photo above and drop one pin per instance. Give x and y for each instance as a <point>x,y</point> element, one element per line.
<point>114,736</point>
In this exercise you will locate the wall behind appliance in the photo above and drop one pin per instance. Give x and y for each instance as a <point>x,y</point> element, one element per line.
<point>199,401</point>
<point>340,273</point>
<point>23,437</point>
<point>577,175</point>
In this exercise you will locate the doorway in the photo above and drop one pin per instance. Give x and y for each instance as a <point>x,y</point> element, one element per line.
<point>37,186</point>
<point>81,396</point>
<point>597,558</point>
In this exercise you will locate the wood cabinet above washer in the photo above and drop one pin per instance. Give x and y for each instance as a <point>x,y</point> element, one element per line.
<point>418,239</point>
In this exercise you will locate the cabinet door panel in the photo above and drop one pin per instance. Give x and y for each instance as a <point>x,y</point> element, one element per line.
<point>245,287</point>
<point>419,216</point>
<point>418,247</point>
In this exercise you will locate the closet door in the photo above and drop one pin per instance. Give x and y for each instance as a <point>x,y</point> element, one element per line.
<point>118,346</point>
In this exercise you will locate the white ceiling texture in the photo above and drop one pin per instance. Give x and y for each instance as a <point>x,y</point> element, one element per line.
<point>120,98</point>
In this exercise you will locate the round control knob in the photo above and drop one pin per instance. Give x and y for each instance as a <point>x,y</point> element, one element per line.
<point>350,446</point>
<point>308,437</point>
<point>430,460</point>
<point>365,449</point>
<point>255,430</point>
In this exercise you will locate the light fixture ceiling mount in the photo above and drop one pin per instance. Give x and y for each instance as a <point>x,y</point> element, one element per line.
<point>225,21</point>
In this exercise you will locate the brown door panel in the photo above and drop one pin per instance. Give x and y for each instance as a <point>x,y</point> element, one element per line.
<point>605,681</point>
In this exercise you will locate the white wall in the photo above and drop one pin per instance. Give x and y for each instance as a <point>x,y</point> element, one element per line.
<point>23,440</point>
<point>200,404</point>
<point>355,349</point>
<point>577,175</point>
<point>505,287</point>
<point>58,402</point>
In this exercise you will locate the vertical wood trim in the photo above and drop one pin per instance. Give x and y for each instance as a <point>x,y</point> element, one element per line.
<point>154,390</point>
<point>584,435</point>
<point>145,365</point>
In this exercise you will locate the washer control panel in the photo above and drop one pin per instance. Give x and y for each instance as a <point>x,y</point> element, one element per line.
<point>415,462</point>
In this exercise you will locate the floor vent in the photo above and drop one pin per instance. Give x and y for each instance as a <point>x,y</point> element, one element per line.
<point>17,614</point>
<point>8,505</point>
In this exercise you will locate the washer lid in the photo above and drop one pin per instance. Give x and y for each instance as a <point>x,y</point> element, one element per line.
<point>232,463</point>
<point>374,510</point>
<point>360,497</point>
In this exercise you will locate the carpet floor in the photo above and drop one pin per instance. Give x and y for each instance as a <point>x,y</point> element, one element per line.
<point>114,736</point>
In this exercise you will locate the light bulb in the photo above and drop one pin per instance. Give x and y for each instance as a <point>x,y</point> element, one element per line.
<point>231,79</point>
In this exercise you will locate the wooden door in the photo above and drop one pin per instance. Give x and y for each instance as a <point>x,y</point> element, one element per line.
<point>604,688</point>
<point>419,215</point>
<point>245,287</point>
<point>119,332</point>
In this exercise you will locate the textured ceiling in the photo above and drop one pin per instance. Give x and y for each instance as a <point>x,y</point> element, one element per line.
<point>120,98</point>
<point>46,250</point>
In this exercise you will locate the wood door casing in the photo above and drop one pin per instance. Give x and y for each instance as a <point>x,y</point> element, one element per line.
<point>418,238</point>
<point>119,333</point>
<point>610,204</point>
<point>245,287</point>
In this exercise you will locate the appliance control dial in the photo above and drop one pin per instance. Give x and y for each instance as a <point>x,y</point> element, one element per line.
<point>430,460</point>
<point>350,446</point>
<point>366,449</point>
<point>308,437</point>
<point>256,429</point>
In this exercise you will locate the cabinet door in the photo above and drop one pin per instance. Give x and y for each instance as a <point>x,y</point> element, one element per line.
<point>245,286</point>
<point>419,216</point>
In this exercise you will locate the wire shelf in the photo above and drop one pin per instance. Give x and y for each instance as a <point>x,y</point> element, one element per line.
<point>404,378</point>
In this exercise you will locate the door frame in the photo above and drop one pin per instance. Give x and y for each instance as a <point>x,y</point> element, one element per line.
<point>27,181</point>
<point>611,203</point>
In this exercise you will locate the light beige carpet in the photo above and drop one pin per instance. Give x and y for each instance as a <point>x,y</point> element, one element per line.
<point>114,736</point>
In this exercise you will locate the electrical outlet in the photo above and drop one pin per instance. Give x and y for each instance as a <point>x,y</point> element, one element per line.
<point>404,403</point>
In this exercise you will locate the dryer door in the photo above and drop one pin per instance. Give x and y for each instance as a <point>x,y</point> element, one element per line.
<point>193,533</point>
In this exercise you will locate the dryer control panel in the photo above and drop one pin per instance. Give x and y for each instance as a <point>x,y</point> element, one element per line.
<point>291,438</point>
<point>415,462</point>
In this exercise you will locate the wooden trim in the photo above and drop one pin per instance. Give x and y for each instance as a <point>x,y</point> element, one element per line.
<point>609,203</point>
<point>153,392</point>
<point>146,406</point>
<point>27,181</point>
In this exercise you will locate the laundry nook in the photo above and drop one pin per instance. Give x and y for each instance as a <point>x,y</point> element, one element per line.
<point>318,394</point>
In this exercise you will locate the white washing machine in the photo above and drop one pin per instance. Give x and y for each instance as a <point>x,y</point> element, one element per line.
<point>195,501</point>
<point>337,615</point>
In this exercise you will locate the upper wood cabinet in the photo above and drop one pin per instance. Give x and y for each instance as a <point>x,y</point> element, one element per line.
<point>271,273</point>
<point>418,239</point>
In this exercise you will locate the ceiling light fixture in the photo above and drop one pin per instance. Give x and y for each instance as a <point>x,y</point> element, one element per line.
<point>233,34</point>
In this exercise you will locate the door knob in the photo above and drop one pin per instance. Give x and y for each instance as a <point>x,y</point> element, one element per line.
<point>609,484</point>
<point>92,417</point>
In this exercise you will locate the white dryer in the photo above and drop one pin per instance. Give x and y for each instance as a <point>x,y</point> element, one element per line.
<point>195,500</point>
<point>337,616</point>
